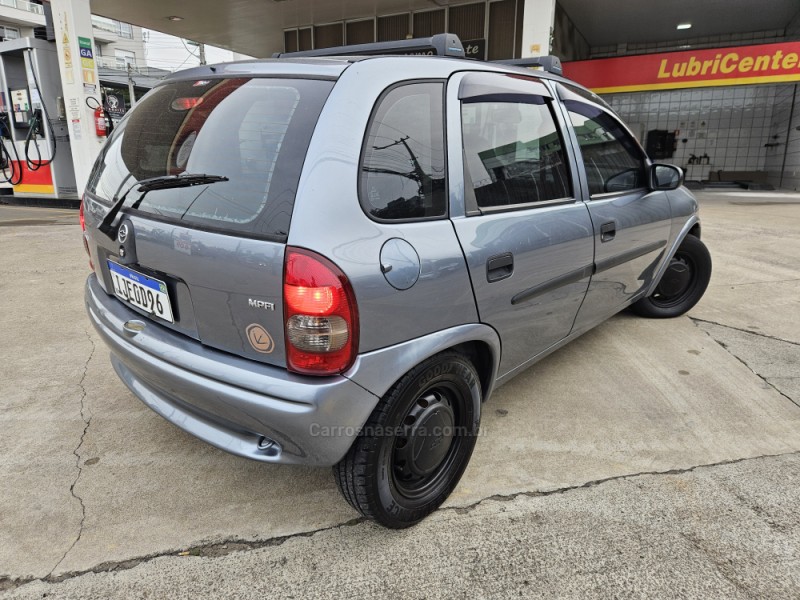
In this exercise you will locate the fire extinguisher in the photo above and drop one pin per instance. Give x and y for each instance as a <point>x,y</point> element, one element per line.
<point>99,122</point>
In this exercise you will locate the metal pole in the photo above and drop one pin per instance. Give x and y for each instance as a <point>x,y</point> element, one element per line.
<point>130,85</point>
<point>788,135</point>
<point>202,53</point>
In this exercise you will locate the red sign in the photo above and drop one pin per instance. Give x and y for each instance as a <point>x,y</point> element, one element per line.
<point>764,63</point>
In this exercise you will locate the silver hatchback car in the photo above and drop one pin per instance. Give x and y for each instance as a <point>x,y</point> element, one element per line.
<point>334,260</point>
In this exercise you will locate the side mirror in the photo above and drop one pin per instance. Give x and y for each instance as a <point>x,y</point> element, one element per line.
<point>665,177</point>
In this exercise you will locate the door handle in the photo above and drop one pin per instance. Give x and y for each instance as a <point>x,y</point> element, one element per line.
<point>608,231</point>
<point>499,267</point>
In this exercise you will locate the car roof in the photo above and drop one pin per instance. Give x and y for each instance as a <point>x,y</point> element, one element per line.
<point>327,68</point>
<point>332,67</point>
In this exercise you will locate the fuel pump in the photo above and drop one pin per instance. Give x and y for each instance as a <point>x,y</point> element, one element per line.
<point>34,137</point>
<point>9,159</point>
<point>36,126</point>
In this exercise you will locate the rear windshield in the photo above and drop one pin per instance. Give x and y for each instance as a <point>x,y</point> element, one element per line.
<point>254,131</point>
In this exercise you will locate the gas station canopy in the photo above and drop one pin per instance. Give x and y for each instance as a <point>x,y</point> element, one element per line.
<point>256,27</point>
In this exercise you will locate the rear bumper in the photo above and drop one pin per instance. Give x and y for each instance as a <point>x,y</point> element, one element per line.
<point>227,401</point>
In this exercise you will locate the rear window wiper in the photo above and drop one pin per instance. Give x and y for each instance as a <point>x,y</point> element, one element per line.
<point>155,183</point>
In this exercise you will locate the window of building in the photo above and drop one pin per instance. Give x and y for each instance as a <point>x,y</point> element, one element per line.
<point>290,40</point>
<point>403,169</point>
<point>8,33</point>
<point>125,30</point>
<point>614,161</point>
<point>429,22</point>
<point>328,36</point>
<point>393,27</point>
<point>304,39</point>
<point>360,32</point>
<point>125,58</point>
<point>119,28</point>
<point>468,21</point>
<point>502,26</point>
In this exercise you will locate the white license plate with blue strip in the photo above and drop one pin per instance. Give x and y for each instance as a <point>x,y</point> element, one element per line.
<point>142,291</point>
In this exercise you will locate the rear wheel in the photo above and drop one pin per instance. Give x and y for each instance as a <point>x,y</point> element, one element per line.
<point>683,283</point>
<point>416,444</point>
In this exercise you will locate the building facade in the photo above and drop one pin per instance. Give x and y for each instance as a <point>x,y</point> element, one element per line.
<point>746,133</point>
<point>119,47</point>
<point>488,30</point>
<point>719,133</point>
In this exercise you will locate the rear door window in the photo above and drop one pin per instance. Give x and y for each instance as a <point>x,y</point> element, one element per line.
<point>254,131</point>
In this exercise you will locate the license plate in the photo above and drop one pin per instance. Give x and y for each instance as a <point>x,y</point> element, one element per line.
<point>142,291</point>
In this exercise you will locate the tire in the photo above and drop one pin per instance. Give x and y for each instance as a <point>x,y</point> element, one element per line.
<point>682,285</point>
<point>416,444</point>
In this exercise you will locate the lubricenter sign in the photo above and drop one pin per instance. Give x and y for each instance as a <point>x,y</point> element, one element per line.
<point>764,63</point>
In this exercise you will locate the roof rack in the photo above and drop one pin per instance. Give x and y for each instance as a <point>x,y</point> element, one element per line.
<point>551,64</point>
<point>442,44</point>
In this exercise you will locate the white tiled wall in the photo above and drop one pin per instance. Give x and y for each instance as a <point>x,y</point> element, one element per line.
<point>783,162</point>
<point>785,126</point>
<point>743,128</point>
<point>729,124</point>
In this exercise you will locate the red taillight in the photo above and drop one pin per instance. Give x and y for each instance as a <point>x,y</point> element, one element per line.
<point>81,218</point>
<point>321,321</point>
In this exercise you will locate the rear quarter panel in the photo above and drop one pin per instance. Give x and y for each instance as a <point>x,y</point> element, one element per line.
<point>328,218</point>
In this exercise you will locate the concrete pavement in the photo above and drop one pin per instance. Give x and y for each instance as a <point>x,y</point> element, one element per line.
<point>17,216</point>
<point>92,480</point>
<point>731,531</point>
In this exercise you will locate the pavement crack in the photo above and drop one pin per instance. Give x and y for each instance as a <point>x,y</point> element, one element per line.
<point>695,320</point>
<point>206,550</point>
<point>232,545</point>
<point>87,420</point>
<point>724,346</point>
<point>756,282</point>
<point>595,482</point>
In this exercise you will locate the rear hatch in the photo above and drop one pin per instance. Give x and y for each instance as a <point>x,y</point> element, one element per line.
<point>204,256</point>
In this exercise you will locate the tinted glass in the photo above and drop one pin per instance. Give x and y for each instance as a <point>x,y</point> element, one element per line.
<point>513,153</point>
<point>613,160</point>
<point>255,132</point>
<point>403,169</point>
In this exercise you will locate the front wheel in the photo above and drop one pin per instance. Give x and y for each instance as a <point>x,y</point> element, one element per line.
<point>416,444</point>
<point>683,283</point>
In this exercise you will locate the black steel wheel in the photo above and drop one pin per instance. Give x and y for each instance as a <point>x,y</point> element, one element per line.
<point>416,445</point>
<point>683,284</point>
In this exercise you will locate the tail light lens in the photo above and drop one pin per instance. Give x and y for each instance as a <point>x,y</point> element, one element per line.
<point>321,315</point>
<point>83,235</point>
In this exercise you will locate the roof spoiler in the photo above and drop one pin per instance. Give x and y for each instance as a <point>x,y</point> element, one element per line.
<point>442,44</point>
<point>551,64</point>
